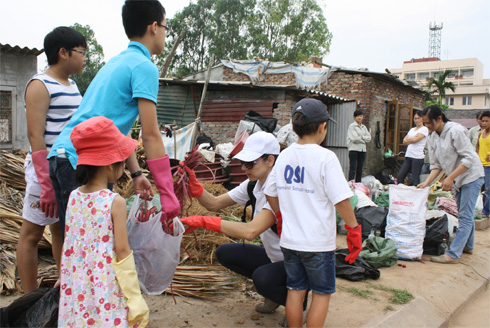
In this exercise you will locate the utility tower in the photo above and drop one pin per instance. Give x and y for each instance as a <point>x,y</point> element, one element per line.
<point>435,40</point>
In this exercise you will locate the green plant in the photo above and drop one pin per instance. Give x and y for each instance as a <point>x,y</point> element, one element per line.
<point>440,85</point>
<point>399,296</point>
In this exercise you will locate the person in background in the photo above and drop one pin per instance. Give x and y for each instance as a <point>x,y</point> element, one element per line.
<point>307,185</point>
<point>416,139</point>
<point>264,265</point>
<point>51,98</point>
<point>475,131</point>
<point>357,138</point>
<point>127,86</point>
<point>483,150</point>
<point>450,151</point>
<point>99,283</point>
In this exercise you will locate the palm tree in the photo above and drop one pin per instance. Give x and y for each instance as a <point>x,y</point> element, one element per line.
<point>441,85</point>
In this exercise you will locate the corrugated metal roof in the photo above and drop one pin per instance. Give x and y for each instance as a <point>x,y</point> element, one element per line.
<point>19,50</point>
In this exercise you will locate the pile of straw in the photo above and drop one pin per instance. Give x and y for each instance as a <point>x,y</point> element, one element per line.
<point>194,277</point>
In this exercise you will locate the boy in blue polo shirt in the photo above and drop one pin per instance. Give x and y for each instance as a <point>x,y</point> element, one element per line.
<point>307,185</point>
<point>127,86</point>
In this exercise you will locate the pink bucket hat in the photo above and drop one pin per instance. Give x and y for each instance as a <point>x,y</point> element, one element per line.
<point>99,142</point>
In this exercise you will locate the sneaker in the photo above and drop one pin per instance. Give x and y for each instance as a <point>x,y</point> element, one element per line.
<point>267,307</point>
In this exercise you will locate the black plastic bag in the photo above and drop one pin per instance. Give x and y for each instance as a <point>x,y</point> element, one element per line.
<point>384,177</point>
<point>203,138</point>
<point>267,124</point>
<point>357,271</point>
<point>436,235</point>
<point>372,218</point>
<point>38,308</point>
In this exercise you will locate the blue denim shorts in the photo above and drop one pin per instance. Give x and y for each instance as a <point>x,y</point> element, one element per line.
<point>314,270</point>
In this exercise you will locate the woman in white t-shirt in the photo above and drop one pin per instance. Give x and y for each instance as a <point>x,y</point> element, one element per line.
<point>414,156</point>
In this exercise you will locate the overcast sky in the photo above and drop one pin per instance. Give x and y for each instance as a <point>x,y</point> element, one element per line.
<point>374,34</point>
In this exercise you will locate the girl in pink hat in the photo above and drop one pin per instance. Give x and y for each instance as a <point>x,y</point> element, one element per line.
<point>99,283</point>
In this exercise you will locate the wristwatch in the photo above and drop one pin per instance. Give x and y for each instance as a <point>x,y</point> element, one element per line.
<point>136,174</point>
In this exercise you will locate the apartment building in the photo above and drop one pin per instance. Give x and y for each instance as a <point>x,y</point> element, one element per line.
<point>472,90</point>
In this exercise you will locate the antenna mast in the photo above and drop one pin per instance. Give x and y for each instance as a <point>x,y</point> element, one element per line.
<point>435,40</point>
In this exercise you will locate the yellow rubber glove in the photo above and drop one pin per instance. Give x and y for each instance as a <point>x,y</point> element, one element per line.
<point>128,281</point>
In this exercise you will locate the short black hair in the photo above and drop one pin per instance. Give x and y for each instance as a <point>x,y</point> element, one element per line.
<point>417,112</point>
<point>478,114</point>
<point>357,113</point>
<point>433,112</point>
<point>138,14</point>
<point>62,37</point>
<point>84,173</point>
<point>301,128</point>
<point>485,114</point>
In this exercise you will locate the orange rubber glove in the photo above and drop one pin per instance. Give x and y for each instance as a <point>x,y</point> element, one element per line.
<point>195,187</point>
<point>212,223</point>
<point>354,242</point>
<point>279,223</point>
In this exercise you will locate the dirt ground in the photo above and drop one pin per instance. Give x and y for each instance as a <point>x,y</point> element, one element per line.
<point>353,305</point>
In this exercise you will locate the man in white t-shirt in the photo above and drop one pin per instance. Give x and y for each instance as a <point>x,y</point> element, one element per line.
<point>307,185</point>
<point>262,264</point>
<point>474,132</point>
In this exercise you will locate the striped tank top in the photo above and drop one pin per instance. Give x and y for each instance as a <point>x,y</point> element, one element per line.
<point>64,101</point>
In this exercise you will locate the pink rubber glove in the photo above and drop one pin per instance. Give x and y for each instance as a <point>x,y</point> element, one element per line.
<point>354,242</point>
<point>195,187</point>
<point>48,201</point>
<point>212,223</point>
<point>160,170</point>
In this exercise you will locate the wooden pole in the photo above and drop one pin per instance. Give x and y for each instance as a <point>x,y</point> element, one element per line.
<point>197,130</point>
<point>171,55</point>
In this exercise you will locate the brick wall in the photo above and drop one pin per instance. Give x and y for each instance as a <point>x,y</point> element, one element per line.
<point>269,79</point>
<point>371,95</point>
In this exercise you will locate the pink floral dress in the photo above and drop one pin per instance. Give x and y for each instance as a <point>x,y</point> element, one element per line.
<point>90,294</point>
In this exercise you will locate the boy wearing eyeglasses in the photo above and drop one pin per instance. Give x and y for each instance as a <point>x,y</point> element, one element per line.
<point>51,98</point>
<point>307,185</point>
<point>262,264</point>
<point>127,86</point>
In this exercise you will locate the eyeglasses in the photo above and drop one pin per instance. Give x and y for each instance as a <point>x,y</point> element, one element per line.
<point>164,26</point>
<point>250,165</point>
<point>81,52</point>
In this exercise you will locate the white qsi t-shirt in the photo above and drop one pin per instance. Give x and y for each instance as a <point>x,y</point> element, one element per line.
<point>309,181</point>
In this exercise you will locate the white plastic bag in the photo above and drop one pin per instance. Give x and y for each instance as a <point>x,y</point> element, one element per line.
<point>405,223</point>
<point>156,253</point>
<point>479,204</point>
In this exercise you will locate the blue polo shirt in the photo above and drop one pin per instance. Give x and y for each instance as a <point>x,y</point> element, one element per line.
<point>114,93</point>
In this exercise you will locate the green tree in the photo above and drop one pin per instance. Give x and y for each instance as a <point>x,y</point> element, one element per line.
<point>440,85</point>
<point>289,30</point>
<point>95,58</point>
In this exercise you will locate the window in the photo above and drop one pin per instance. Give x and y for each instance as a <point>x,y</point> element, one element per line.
<point>451,101</point>
<point>424,75</point>
<point>453,74</point>
<point>5,117</point>
<point>446,101</point>
<point>435,75</point>
<point>467,72</point>
<point>464,101</point>
<point>410,77</point>
<point>467,100</point>
<point>470,100</point>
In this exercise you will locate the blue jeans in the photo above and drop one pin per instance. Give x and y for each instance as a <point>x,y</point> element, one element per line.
<point>486,205</point>
<point>412,165</point>
<point>64,182</point>
<point>356,162</point>
<point>315,270</point>
<point>465,236</point>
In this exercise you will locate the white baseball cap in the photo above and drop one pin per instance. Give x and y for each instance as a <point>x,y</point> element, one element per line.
<point>258,144</point>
